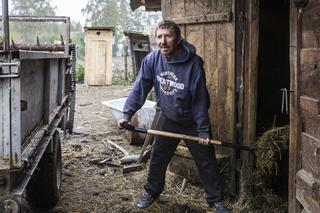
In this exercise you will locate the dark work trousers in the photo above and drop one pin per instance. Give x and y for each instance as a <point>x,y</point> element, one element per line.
<point>204,156</point>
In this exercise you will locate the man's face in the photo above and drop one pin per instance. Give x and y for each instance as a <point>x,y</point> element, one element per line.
<point>167,41</point>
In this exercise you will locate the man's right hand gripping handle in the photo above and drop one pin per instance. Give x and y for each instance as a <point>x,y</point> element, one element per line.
<point>121,122</point>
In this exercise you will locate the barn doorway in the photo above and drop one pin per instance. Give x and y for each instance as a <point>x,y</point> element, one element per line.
<point>274,77</point>
<point>273,64</point>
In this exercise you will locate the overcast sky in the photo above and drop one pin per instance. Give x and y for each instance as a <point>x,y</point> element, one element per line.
<point>71,8</point>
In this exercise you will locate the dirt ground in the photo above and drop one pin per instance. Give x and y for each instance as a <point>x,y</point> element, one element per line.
<point>90,186</point>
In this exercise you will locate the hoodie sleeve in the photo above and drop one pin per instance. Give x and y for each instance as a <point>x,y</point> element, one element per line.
<point>200,102</point>
<point>140,90</point>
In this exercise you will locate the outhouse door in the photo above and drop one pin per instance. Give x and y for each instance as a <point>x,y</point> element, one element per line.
<point>304,172</point>
<point>97,58</point>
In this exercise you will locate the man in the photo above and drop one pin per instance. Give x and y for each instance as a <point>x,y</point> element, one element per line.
<point>176,72</point>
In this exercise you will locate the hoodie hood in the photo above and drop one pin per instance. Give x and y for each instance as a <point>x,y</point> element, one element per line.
<point>187,52</point>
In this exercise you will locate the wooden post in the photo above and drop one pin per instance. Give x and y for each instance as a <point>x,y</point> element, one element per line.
<point>250,89</point>
<point>295,122</point>
<point>126,62</point>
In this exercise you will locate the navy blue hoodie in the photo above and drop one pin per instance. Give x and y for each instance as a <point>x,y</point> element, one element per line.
<point>180,88</point>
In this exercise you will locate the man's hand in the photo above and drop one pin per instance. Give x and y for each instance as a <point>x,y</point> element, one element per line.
<point>204,141</point>
<point>121,122</point>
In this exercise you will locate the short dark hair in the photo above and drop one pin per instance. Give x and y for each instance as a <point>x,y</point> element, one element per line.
<point>168,24</point>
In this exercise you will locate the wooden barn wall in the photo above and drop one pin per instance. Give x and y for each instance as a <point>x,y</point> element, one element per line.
<point>214,39</point>
<point>304,173</point>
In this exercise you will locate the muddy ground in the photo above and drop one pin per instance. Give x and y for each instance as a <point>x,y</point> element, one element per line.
<point>89,186</point>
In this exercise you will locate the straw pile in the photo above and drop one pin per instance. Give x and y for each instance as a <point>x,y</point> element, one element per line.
<point>270,148</point>
<point>264,193</point>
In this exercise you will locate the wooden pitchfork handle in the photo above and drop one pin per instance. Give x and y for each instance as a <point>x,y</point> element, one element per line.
<point>183,137</point>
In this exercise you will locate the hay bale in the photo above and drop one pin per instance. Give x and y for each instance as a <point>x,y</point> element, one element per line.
<point>270,148</point>
<point>268,185</point>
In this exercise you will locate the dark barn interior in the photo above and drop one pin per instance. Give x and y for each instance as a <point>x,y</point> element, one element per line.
<point>273,64</point>
<point>273,77</point>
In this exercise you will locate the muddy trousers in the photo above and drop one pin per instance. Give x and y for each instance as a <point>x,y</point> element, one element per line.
<point>204,156</point>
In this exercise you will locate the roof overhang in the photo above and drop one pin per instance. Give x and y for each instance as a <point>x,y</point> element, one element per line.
<point>99,28</point>
<point>150,5</point>
<point>136,35</point>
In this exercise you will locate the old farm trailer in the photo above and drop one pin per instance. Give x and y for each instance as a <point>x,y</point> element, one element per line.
<point>253,50</point>
<point>37,98</point>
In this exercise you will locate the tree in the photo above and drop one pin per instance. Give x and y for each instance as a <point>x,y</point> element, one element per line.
<point>32,8</point>
<point>118,14</point>
<point>103,12</point>
<point>24,32</point>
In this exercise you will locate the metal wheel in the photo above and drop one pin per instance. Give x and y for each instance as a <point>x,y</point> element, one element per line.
<point>44,187</point>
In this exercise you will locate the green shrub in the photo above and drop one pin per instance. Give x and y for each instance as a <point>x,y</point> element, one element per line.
<point>80,74</point>
<point>116,82</point>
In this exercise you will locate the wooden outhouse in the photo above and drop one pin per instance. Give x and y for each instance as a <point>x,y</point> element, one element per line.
<point>257,53</point>
<point>98,55</point>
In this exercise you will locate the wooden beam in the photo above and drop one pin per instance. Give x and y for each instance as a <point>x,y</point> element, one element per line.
<point>212,18</point>
<point>295,122</point>
<point>250,89</point>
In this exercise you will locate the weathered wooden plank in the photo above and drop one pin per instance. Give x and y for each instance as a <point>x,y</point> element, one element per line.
<point>310,72</point>
<point>308,191</point>
<point>2,113</point>
<point>195,35</point>
<point>5,123</point>
<point>310,152</point>
<point>210,58</point>
<point>225,68</point>
<point>193,12</point>
<point>204,7</point>
<point>183,30</point>
<point>54,70</point>
<point>32,82</point>
<point>250,87</point>
<point>47,91</point>
<point>15,115</point>
<point>196,8</point>
<point>310,106</point>
<point>212,18</point>
<point>173,8</point>
<point>101,62</point>
<point>99,33</point>
<point>310,115</point>
<point>61,75</point>
<point>3,128</point>
<point>221,6</point>
<point>90,53</point>
<point>226,90</point>
<point>295,127</point>
<point>311,25</point>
